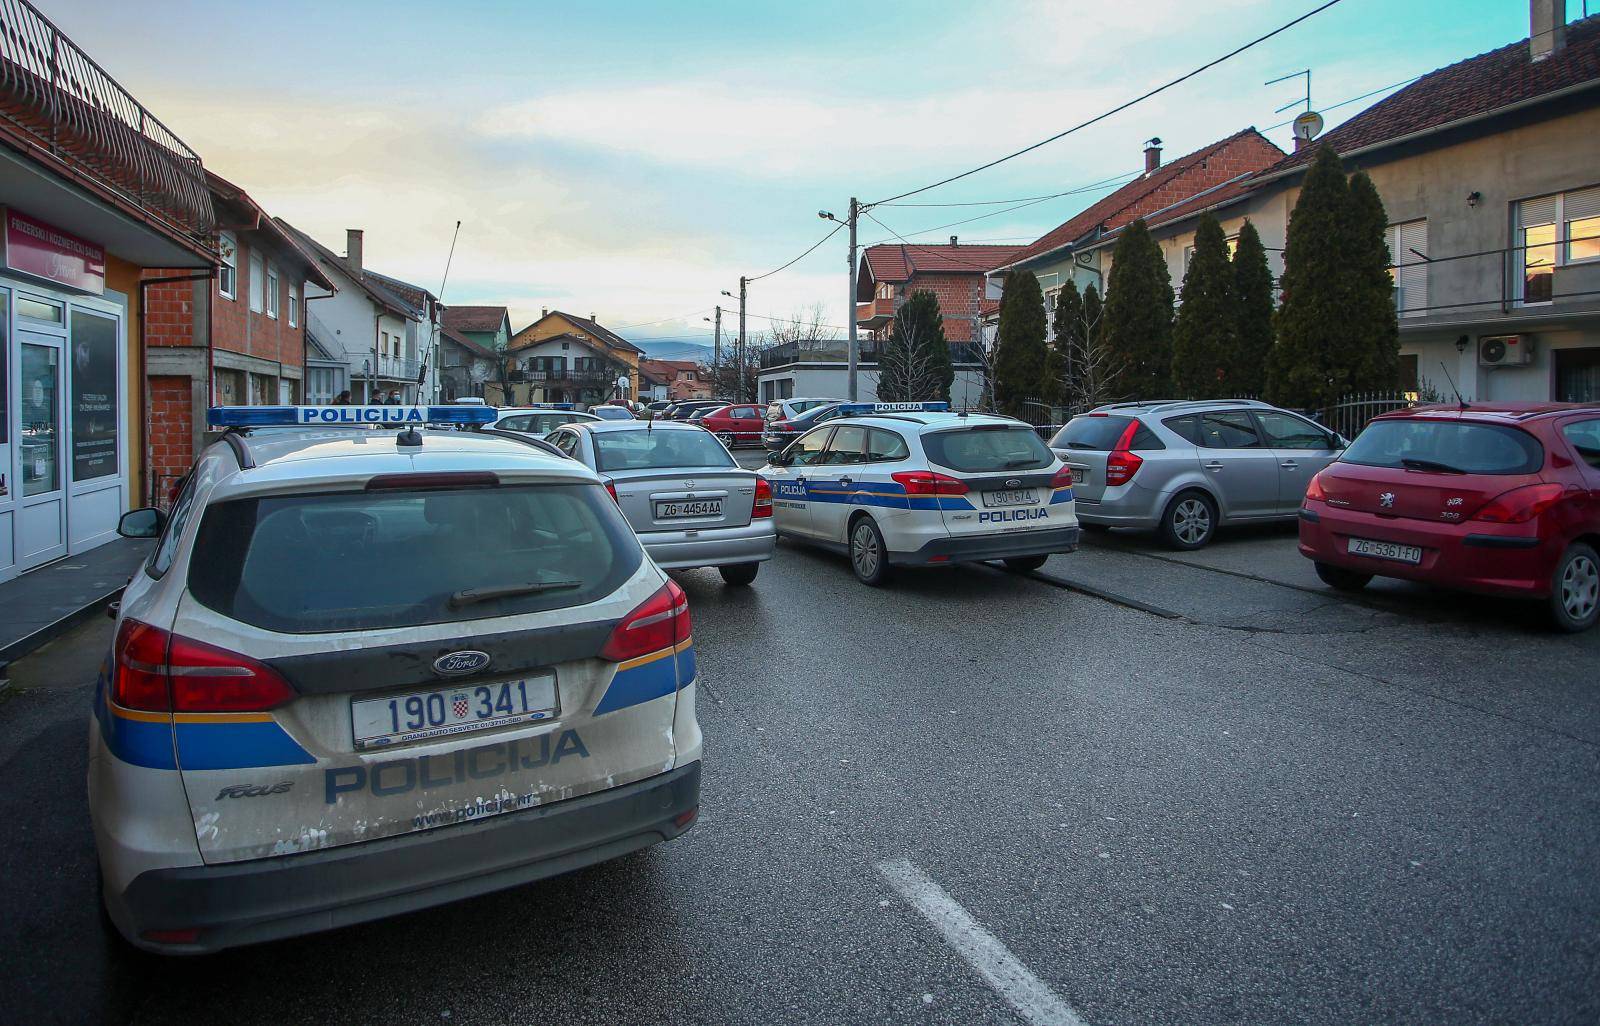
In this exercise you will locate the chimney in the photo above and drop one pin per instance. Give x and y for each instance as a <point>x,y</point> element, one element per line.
<point>1547,31</point>
<point>592,317</point>
<point>544,312</point>
<point>352,249</point>
<point>952,240</point>
<point>1152,156</point>
<point>1301,142</point>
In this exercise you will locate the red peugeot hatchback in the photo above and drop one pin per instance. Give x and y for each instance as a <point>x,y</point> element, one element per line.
<point>1500,498</point>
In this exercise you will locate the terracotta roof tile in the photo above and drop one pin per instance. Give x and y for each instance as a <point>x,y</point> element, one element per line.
<point>475,318</point>
<point>898,261</point>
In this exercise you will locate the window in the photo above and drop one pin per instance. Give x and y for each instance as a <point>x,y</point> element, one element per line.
<point>987,450</point>
<point>167,547</point>
<point>294,306</point>
<point>1228,431</point>
<point>1285,432</point>
<point>258,281</point>
<point>652,450</point>
<point>1409,374</point>
<point>228,273</point>
<point>1446,446</point>
<point>807,448</point>
<point>885,290</point>
<point>1408,253</point>
<point>272,290</point>
<point>1577,375</point>
<point>1584,437</point>
<point>1554,231</point>
<point>849,445</point>
<point>885,446</point>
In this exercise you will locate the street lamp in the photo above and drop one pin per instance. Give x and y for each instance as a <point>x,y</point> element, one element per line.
<point>850,307</point>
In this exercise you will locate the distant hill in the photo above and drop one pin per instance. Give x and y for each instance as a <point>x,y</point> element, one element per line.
<point>667,350</point>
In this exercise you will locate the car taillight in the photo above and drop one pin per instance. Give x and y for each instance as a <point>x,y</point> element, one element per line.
<point>1520,505</point>
<point>1062,478</point>
<point>763,506</point>
<point>1121,464</point>
<point>159,671</point>
<point>611,490</point>
<point>660,621</point>
<point>1314,490</point>
<point>927,482</point>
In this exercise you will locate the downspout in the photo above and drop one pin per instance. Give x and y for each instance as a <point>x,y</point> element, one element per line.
<point>144,370</point>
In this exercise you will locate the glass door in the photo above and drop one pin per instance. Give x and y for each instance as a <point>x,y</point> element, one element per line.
<point>42,513</point>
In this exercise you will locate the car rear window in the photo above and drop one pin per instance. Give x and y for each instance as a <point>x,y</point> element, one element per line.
<point>1446,446</point>
<point>647,450</point>
<point>311,564</point>
<point>978,450</point>
<point>1102,433</point>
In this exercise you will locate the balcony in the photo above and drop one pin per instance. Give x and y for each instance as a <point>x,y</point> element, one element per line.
<point>62,108</point>
<point>817,351</point>
<point>391,368</point>
<point>875,314</point>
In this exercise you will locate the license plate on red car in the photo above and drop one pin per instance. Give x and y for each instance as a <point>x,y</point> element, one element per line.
<point>1384,550</point>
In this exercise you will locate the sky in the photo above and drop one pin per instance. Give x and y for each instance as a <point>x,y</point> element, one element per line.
<point>632,160</point>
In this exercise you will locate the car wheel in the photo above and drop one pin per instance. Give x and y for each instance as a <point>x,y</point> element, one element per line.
<point>1575,589</point>
<point>1340,579</point>
<point>739,574</point>
<point>1022,564</point>
<point>1190,521</point>
<point>726,438</point>
<point>869,558</point>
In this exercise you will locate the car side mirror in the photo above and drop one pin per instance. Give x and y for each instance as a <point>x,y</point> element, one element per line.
<point>777,459</point>
<point>142,523</point>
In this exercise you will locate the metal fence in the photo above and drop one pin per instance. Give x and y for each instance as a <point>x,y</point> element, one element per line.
<point>1350,414</point>
<point>56,95</point>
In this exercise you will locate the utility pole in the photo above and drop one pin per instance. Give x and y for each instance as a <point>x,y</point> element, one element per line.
<point>716,345</point>
<point>743,281</point>
<point>850,306</point>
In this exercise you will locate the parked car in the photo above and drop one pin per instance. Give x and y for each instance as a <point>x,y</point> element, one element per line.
<point>788,409</point>
<point>537,420</point>
<point>1186,468</point>
<point>612,411</point>
<point>687,408</point>
<point>780,433</point>
<point>658,406</point>
<point>735,424</point>
<point>688,501</point>
<point>1499,498</point>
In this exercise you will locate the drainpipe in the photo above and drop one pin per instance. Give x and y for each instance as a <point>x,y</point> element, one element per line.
<point>144,370</point>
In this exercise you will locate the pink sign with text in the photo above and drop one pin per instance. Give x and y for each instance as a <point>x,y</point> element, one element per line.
<point>44,251</point>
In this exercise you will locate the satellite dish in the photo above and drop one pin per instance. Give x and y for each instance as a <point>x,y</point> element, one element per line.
<point>1308,126</point>
<point>479,371</point>
<point>623,382</point>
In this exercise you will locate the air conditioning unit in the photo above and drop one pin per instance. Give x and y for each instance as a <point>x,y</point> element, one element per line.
<point>1505,351</point>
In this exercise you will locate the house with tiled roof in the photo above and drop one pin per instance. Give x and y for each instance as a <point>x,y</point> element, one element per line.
<point>1489,175</point>
<point>489,326</point>
<point>955,272</point>
<point>674,379</point>
<point>467,367</point>
<point>562,357</point>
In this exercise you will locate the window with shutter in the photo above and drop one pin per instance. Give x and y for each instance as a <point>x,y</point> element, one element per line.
<point>1537,250</point>
<point>1581,222</point>
<point>1408,252</point>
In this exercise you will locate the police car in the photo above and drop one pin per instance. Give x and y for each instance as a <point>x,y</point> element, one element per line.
<point>540,418</point>
<point>911,484</point>
<point>371,667</point>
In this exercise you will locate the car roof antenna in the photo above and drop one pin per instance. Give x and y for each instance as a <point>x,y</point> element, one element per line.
<point>1453,388</point>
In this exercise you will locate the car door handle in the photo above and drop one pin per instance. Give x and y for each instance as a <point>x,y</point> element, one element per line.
<point>847,482</point>
<point>1213,465</point>
<point>1289,465</point>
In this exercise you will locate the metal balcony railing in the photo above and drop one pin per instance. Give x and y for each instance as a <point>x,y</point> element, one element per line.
<point>56,97</point>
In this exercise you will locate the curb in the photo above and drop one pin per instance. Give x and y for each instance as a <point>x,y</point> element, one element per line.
<point>50,631</point>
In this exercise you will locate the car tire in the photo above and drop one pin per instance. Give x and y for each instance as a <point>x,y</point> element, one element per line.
<point>739,575</point>
<point>869,557</point>
<point>1575,589</point>
<point>1189,521</point>
<point>726,438</point>
<point>1340,579</point>
<point>1023,564</point>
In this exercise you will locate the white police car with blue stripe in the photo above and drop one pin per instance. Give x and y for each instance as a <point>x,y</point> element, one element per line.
<point>912,484</point>
<point>367,670</point>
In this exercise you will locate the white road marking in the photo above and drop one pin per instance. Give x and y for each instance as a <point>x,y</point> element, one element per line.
<point>1000,969</point>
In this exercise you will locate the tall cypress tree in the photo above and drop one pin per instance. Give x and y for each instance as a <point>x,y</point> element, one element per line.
<point>1317,299</point>
<point>1206,330</point>
<point>915,365</point>
<point>1374,339</point>
<point>1137,323</point>
<point>1245,369</point>
<point>1067,349</point>
<point>1021,360</point>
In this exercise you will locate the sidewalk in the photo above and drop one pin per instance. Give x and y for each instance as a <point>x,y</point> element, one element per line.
<point>48,601</point>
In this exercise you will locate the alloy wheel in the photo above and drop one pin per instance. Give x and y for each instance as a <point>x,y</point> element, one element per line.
<point>864,550</point>
<point>1580,587</point>
<point>1191,521</point>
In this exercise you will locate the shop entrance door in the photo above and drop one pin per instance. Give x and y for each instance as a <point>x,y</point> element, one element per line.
<point>42,510</point>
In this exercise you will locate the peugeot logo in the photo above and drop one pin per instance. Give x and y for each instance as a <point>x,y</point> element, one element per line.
<point>457,663</point>
<point>1386,500</point>
<point>1013,482</point>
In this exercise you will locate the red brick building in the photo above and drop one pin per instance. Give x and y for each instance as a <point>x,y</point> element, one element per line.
<point>233,338</point>
<point>952,271</point>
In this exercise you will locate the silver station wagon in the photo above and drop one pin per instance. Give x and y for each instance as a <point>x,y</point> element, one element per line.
<point>688,501</point>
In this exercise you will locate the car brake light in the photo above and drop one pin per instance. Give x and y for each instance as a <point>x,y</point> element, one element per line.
<point>1314,492</point>
<point>1121,464</point>
<point>611,490</point>
<point>1062,478</point>
<point>763,505</point>
<point>162,672</point>
<point>660,621</point>
<point>927,482</point>
<point>1520,505</point>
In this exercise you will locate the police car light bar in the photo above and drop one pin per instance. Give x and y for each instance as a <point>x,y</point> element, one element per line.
<point>852,409</point>
<point>346,416</point>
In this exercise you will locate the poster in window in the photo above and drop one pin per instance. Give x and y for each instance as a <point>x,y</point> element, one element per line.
<point>94,396</point>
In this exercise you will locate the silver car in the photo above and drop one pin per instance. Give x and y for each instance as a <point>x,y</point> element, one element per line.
<point>688,501</point>
<point>1186,468</point>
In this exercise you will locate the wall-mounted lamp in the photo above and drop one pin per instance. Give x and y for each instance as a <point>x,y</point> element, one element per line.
<point>1461,340</point>
<point>1474,198</point>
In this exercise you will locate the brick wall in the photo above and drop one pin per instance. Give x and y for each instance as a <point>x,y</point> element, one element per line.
<point>171,432</point>
<point>1247,153</point>
<point>958,296</point>
<point>173,311</point>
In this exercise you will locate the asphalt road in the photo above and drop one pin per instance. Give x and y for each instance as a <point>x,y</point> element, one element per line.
<point>1199,794</point>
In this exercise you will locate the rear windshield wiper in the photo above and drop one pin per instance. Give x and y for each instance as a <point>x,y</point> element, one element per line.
<point>1412,463</point>
<point>471,596</point>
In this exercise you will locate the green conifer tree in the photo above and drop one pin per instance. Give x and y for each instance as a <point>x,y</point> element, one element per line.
<point>1067,348</point>
<point>1311,323</point>
<point>1021,359</point>
<point>1245,369</point>
<point>1374,328</point>
<point>1137,322</point>
<point>1206,329</point>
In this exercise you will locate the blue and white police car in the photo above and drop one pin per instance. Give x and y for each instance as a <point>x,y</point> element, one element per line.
<point>912,484</point>
<point>372,666</point>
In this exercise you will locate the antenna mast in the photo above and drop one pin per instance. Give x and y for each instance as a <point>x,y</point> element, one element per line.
<point>433,329</point>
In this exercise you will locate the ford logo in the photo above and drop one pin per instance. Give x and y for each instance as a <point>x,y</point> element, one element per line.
<point>1013,482</point>
<point>457,663</point>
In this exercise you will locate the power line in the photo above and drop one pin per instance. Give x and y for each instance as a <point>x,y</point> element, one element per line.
<point>659,320</point>
<point>1024,199</point>
<point>926,248</point>
<point>1353,99</point>
<point>799,258</point>
<point>1118,109</point>
<point>997,213</point>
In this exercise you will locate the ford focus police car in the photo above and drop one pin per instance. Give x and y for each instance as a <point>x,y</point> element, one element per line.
<point>911,484</point>
<point>365,671</point>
